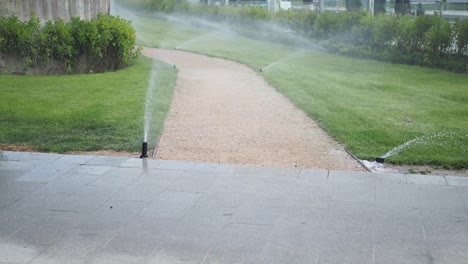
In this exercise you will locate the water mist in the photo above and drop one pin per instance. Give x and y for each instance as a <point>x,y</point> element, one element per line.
<point>148,109</point>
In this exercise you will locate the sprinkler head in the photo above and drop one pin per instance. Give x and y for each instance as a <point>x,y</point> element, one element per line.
<point>174,66</point>
<point>144,150</point>
<point>380,160</point>
<point>260,70</point>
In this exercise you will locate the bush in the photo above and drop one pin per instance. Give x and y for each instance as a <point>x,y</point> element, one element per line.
<point>155,5</point>
<point>300,21</point>
<point>438,38</point>
<point>385,33</point>
<point>424,40</point>
<point>461,36</point>
<point>115,47</point>
<point>331,24</point>
<point>363,34</point>
<point>56,43</point>
<point>102,44</point>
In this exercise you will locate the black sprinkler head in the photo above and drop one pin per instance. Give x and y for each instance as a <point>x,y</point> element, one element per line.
<point>380,160</point>
<point>144,150</point>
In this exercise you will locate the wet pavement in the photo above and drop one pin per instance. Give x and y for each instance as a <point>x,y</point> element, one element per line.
<point>94,209</point>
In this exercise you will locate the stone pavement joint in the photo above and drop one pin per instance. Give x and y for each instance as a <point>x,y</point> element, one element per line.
<point>94,209</point>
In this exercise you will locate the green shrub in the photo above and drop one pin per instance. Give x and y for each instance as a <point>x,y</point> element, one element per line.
<point>57,42</point>
<point>326,25</point>
<point>300,21</point>
<point>461,36</point>
<point>86,37</point>
<point>438,38</point>
<point>102,44</point>
<point>12,31</point>
<point>155,5</point>
<point>420,26</point>
<point>115,46</point>
<point>330,24</point>
<point>363,34</point>
<point>385,33</point>
<point>426,41</point>
<point>423,40</point>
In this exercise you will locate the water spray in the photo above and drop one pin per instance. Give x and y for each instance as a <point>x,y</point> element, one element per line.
<point>144,150</point>
<point>148,110</point>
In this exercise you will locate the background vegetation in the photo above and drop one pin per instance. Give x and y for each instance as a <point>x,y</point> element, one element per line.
<point>103,44</point>
<point>427,41</point>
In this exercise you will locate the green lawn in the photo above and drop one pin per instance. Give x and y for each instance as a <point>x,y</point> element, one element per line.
<point>368,106</point>
<point>83,112</point>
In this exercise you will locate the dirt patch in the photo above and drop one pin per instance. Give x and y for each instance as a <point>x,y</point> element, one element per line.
<point>427,170</point>
<point>17,147</point>
<point>26,148</point>
<point>224,112</point>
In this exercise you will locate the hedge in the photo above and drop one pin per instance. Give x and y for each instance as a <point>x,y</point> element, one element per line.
<point>424,40</point>
<point>79,46</point>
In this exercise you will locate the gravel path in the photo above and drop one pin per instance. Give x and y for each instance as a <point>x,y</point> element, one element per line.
<point>224,112</point>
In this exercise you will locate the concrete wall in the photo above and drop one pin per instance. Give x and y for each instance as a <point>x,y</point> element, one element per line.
<point>53,9</point>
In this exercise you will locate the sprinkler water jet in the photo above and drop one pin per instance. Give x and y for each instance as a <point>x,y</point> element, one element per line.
<point>144,150</point>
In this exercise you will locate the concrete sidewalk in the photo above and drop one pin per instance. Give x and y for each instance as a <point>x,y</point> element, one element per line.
<point>91,209</point>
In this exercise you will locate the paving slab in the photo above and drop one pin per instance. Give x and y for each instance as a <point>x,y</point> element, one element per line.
<point>241,243</point>
<point>46,173</point>
<point>463,192</point>
<point>141,163</point>
<point>457,181</point>
<point>12,191</point>
<point>143,189</point>
<point>171,204</point>
<point>403,252</point>
<point>181,251</point>
<point>74,159</point>
<point>18,254</point>
<point>107,161</point>
<point>90,169</point>
<point>90,209</point>
<point>440,197</point>
<point>426,179</point>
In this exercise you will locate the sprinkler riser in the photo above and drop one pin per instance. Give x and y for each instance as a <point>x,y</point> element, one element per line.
<point>144,150</point>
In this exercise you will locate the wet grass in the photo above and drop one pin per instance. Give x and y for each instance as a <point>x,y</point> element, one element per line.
<point>373,107</point>
<point>83,112</point>
<point>370,107</point>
